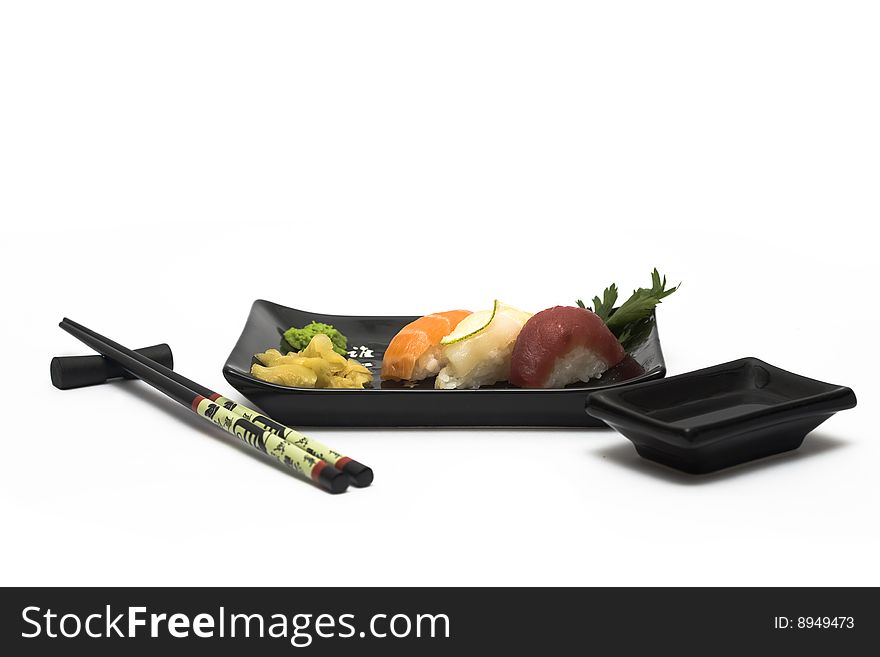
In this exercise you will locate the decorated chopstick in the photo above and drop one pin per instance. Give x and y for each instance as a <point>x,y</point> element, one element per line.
<point>360,474</point>
<point>156,375</point>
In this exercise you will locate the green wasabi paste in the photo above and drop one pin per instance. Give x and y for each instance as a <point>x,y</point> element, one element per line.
<point>299,338</point>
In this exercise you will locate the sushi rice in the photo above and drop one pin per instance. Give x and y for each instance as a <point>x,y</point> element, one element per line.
<point>483,358</point>
<point>579,364</point>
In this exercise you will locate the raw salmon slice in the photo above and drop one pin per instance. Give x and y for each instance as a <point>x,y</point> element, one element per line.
<point>414,353</point>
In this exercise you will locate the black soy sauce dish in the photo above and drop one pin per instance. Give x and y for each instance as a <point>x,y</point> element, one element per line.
<point>720,416</point>
<point>391,404</point>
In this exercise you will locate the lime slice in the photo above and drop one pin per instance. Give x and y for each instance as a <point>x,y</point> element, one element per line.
<point>471,325</point>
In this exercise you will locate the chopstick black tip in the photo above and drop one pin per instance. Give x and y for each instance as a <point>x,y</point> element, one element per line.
<point>361,475</point>
<point>333,480</point>
<point>67,324</point>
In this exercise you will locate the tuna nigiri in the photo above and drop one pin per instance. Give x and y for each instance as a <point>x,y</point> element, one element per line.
<point>562,345</point>
<point>414,353</point>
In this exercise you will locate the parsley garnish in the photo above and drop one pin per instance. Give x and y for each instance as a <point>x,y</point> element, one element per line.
<point>627,321</point>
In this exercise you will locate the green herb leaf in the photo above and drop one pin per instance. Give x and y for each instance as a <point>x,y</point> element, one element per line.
<point>631,320</point>
<point>635,333</point>
<point>640,305</point>
<point>605,305</point>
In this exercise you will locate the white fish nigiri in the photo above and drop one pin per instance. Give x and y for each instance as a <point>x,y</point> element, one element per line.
<point>479,350</point>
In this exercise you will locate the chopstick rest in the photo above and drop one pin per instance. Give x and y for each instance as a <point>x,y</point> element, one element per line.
<point>69,372</point>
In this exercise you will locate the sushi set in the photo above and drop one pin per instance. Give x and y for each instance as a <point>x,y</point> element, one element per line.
<point>393,403</point>
<point>565,366</point>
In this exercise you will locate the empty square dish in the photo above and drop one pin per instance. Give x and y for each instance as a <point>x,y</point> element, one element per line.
<point>720,416</point>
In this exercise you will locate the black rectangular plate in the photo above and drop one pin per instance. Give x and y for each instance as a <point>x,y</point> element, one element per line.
<point>391,404</point>
<point>720,416</point>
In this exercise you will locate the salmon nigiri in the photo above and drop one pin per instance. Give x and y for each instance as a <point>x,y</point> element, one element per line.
<point>414,353</point>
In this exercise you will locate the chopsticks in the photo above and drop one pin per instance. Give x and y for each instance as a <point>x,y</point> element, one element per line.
<point>360,474</point>
<point>268,436</point>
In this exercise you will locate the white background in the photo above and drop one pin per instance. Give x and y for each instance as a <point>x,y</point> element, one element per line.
<point>164,164</point>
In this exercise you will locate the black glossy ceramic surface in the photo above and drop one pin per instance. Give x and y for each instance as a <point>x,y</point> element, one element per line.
<point>391,404</point>
<point>720,416</point>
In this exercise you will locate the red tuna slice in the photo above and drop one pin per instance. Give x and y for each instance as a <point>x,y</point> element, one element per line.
<point>553,333</point>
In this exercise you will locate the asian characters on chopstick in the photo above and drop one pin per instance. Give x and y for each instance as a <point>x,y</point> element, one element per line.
<point>245,431</point>
<point>292,436</point>
<point>257,437</point>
